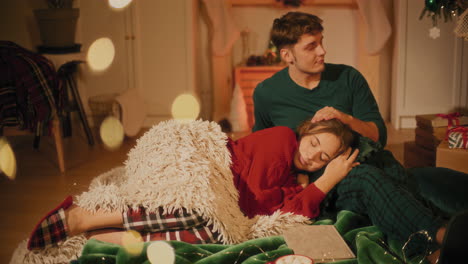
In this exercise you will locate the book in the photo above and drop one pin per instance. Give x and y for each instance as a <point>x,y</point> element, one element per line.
<point>322,243</point>
<point>438,132</point>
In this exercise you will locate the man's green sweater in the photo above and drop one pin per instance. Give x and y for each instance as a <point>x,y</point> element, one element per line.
<point>279,101</point>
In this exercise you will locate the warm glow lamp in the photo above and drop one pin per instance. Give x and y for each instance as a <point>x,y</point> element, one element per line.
<point>119,4</point>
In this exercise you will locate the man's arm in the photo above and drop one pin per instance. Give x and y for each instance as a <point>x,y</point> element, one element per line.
<point>261,109</point>
<point>365,116</point>
<point>367,129</point>
<point>365,106</point>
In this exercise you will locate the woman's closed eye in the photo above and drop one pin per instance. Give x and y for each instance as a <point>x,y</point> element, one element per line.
<point>314,141</point>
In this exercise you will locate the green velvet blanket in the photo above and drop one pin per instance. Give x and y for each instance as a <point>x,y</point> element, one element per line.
<point>367,241</point>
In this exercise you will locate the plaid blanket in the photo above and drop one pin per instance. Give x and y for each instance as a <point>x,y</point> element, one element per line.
<point>180,225</point>
<point>29,89</point>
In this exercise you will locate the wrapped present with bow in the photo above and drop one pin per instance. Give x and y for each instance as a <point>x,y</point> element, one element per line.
<point>441,120</point>
<point>458,137</point>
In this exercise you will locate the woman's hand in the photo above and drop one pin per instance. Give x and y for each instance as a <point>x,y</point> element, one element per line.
<point>340,166</point>
<point>303,179</point>
<point>336,170</point>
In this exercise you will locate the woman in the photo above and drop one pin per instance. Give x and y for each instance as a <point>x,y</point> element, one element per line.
<point>265,165</point>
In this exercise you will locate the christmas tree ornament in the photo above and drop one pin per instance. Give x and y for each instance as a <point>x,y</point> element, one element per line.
<point>432,5</point>
<point>434,32</point>
<point>448,9</point>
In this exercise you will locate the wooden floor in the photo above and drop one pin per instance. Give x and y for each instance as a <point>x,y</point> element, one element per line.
<point>39,185</point>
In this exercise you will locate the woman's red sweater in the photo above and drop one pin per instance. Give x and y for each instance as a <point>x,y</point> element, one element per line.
<point>262,164</point>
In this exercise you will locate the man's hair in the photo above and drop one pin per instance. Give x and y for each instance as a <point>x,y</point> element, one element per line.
<point>290,27</point>
<point>333,126</point>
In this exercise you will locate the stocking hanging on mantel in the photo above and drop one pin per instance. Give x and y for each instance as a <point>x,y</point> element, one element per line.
<point>238,115</point>
<point>378,26</point>
<point>225,31</point>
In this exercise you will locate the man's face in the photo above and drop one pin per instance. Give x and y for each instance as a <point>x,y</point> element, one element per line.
<point>308,54</point>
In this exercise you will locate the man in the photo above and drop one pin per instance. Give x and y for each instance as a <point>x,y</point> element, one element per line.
<point>309,85</point>
<point>311,88</point>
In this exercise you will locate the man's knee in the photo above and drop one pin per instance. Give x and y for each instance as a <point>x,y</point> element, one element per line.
<point>366,171</point>
<point>364,177</point>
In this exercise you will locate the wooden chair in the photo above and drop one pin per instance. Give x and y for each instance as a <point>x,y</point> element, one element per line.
<point>56,133</point>
<point>66,73</point>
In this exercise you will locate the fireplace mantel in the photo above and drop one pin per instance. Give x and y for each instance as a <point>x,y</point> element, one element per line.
<point>325,3</point>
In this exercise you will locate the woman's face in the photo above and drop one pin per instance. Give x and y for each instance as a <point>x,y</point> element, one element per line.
<point>315,151</point>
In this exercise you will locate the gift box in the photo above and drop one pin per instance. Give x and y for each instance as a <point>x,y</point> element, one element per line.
<point>452,158</point>
<point>428,140</point>
<point>415,156</point>
<point>441,120</point>
<point>458,137</point>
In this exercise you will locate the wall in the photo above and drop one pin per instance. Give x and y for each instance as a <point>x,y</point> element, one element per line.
<point>165,43</point>
<point>98,20</point>
<point>429,74</point>
<point>377,69</point>
<point>17,22</point>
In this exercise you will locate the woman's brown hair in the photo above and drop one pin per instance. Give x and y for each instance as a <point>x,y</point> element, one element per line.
<point>333,126</point>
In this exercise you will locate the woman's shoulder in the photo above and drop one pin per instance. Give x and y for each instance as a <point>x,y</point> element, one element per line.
<point>268,136</point>
<point>272,144</point>
<point>278,138</point>
<point>285,131</point>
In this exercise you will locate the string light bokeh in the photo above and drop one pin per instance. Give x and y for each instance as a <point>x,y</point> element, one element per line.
<point>7,159</point>
<point>132,242</point>
<point>119,4</point>
<point>101,54</point>
<point>112,133</point>
<point>185,107</point>
<point>294,259</point>
<point>160,252</point>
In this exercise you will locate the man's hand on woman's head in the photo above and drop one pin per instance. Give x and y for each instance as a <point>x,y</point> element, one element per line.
<point>328,113</point>
<point>365,128</point>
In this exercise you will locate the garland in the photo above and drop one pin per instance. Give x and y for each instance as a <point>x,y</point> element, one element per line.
<point>436,9</point>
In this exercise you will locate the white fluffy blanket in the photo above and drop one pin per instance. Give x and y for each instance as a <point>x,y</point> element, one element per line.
<point>175,165</point>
